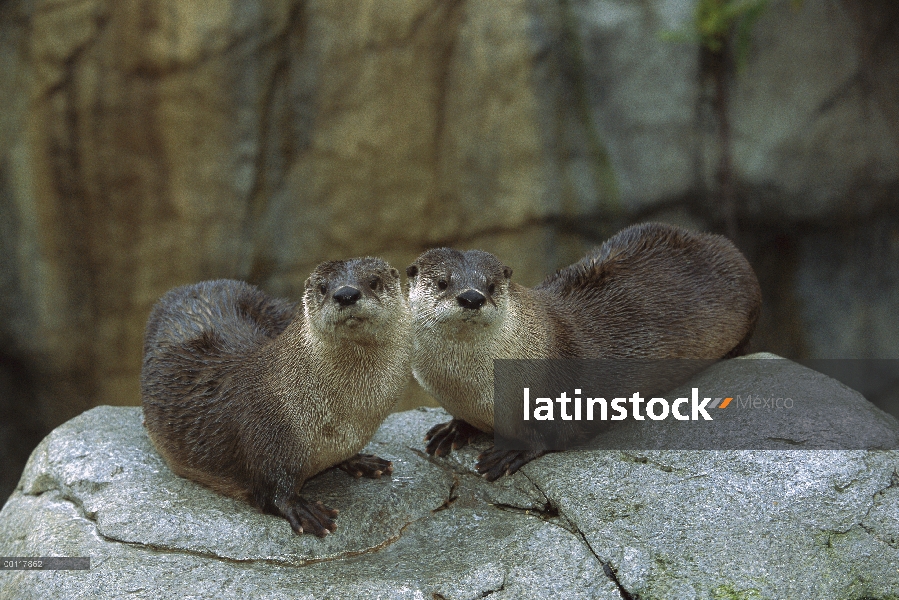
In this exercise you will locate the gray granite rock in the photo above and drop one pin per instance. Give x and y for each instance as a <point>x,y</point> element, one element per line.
<point>96,487</point>
<point>589,524</point>
<point>776,404</point>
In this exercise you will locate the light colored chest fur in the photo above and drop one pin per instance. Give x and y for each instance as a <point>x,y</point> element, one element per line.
<point>335,400</point>
<point>455,364</point>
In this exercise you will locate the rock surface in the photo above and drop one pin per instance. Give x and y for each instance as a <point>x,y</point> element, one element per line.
<point>589,524</point>
<point>776,404</point>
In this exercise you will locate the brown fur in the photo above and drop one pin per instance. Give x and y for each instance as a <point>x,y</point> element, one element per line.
<point>652,291</point>
<point>251,395</point>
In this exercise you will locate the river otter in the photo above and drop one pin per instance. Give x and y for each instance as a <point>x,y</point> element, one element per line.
<point>252,395</point>
<point>651,291</point>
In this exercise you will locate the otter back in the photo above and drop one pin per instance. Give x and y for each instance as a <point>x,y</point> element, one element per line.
<point>654,291</point>
<point>199,381</point>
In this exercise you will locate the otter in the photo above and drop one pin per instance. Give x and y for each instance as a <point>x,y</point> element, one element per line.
<point>251,395</point>
<point>652,291</point>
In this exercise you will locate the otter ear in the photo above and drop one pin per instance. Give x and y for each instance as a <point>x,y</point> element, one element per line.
<point>394,273</point>
<point>308,283</point>
<point>507,272</point>
<point>412,270</point>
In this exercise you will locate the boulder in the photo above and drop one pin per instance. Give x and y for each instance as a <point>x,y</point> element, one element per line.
<point>582,524</point>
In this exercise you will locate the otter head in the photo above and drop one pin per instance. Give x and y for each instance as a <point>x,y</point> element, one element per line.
<point>360,298</point>
<point>461,293</point>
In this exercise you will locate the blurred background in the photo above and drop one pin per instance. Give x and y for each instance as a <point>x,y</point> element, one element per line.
<point>146,144</point>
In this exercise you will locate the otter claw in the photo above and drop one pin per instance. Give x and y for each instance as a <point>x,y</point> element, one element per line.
<point>307,517</point>
<point>493,463</point>
<point>367,465</point>
<point>443,438</point>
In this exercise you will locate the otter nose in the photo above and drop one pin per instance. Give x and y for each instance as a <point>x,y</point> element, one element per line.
<point>347,295</point>
<point>472,299</point>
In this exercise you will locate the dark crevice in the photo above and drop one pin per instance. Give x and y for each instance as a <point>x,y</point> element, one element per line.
<point>70,63</point>
<point>21,429</point>
<point>894,483</point>
<point>871,531</point>
<point>452,24</point>
<point>239,44</point>
<point>613,575</point>
<point>844,487</point>
<point>607,568</point>
<point>788,441</point>
<point>260,193</point>
<point>645,460</point>
<point>71,201</point>
<point>501,587</point>
<point>838,95</point>
<point>451,497</point>
<point>876,535</point>
<point>574,70</point>
<point>415,29</point>
<point>832,532</point>
<point>548,513</point>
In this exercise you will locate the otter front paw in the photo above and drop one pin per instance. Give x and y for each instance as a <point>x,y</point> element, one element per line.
<point>493,463</point>
<point>366,465</point>
<point>307,517</point>
<point>446,437</point>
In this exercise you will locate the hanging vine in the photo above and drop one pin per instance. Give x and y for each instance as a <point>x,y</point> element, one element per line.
<point>722,29</point>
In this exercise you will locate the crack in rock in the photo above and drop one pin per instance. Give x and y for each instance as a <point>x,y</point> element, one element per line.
<point>66,496</point>
<point>871,531</point>
<point>501,587</point>
<point>452,497</point>
<point>645,460</point>
<point>613,575</point>
<point>607,568</point>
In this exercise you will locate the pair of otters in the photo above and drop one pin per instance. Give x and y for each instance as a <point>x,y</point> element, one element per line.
<point>252,395</point>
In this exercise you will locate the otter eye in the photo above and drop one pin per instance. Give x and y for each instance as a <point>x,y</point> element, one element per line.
<point>373,284</point>
<point>323,288</point>
<point>442,284</point>
<point>491,288</point>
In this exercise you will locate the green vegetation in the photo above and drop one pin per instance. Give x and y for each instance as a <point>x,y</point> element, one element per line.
<point>716,20</point>
<point>726,592</point>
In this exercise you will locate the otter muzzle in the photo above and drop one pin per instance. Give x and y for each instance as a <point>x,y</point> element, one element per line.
<point>347,295</point>
<point>472,299</point>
